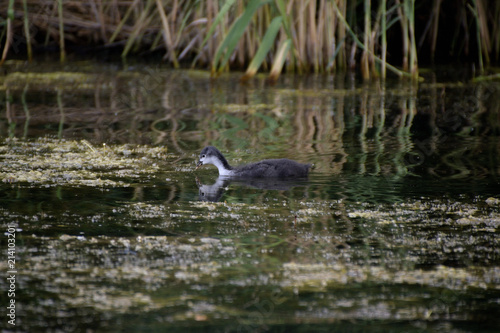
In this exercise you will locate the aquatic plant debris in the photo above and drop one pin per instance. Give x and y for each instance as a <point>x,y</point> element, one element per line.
<point>194,260</point>
<point>156,251</point>
<point>59,81</point>
<point>53,162</point>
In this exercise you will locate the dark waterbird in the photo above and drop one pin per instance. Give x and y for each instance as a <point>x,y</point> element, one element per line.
<point>275,168</point>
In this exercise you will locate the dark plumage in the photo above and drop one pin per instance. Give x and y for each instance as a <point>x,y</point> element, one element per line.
<point>275,168</point>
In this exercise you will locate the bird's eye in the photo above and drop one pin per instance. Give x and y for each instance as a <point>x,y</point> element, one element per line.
<point>203,156</point>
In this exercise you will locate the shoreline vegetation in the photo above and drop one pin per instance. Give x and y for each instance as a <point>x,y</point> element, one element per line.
<point>374,37</point>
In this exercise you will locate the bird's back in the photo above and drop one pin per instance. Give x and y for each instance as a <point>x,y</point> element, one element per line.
<point>275,168</point>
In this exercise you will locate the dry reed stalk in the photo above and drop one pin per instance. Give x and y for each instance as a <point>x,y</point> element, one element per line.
<point>27,31</point>
<point>61,30</point>
<point>213,8</point>
<point>138,26</point>
<point>279,60</point>
<point>123,21</point>
<point>404,35</point>
<point>365,61</point>
<point>380,32</point>
<point>383,14</point>
<point>267,19</point>
<point>341,55</point>
<point>49,30</point>
<point>202,13</point>
<point>286,32</point>
<point>301,46</point>
<point>99,17</point>
<point>410,8</point>
<point>320,28</point>
<point>435,26</point>
<point>286,12</point>
<point>167,35</point>
<point>317,29</point>
<point>482,35</point>
<point>357,42</point>
<point>333,42</point>
<point>202,18</point>
<point>215,30</point>
<point>9,34</point>
<point>328,35</point>
<point>313,42</point>
<point>245,40</point>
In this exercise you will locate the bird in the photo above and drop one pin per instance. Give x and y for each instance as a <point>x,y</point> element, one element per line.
<point>274,168</point>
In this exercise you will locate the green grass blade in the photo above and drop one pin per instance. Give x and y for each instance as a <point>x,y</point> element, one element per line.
<point>217,20</point>
<point>265,45</point>
<point>229,43</point>
<point>361,45</point>
<point>123,21</point>
<point>286,22</point>
<point>334,55</point>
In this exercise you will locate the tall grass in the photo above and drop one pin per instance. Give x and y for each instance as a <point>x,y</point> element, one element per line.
<point>302,36</point>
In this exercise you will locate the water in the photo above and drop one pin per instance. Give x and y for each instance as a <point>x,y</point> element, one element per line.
<point>397,227</point>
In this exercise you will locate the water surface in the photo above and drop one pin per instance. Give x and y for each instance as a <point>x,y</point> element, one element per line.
<point>397,227</point>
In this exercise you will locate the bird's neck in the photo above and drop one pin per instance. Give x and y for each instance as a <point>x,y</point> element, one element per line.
<point>224,168</point>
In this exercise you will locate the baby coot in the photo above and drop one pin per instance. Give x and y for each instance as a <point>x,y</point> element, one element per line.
<point>276,168</point>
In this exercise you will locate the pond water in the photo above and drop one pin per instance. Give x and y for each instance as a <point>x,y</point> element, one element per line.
<point>396,228</point>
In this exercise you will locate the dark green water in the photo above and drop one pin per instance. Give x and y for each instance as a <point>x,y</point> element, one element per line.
<point>396,229</point>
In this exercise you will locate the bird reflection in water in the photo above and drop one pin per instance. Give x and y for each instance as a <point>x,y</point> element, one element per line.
<point>215,191</point>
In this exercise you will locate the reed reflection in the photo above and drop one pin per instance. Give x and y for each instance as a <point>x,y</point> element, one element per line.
<point>340,125</point>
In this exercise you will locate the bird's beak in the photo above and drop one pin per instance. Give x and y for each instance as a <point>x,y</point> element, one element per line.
<point>199,164</point>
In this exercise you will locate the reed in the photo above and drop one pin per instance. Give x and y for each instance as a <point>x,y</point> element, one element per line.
<point>365,61</point>
<point>304,36</point>
<point>383,41</point>
<point>482,35</point>
<point>8,31</point>
<point>61,30</point>
<point>27,34</point>
<point>435,26</point>
<point>410,13</point>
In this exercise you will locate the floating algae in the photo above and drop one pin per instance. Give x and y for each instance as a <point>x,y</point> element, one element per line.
<point>61,162</point>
